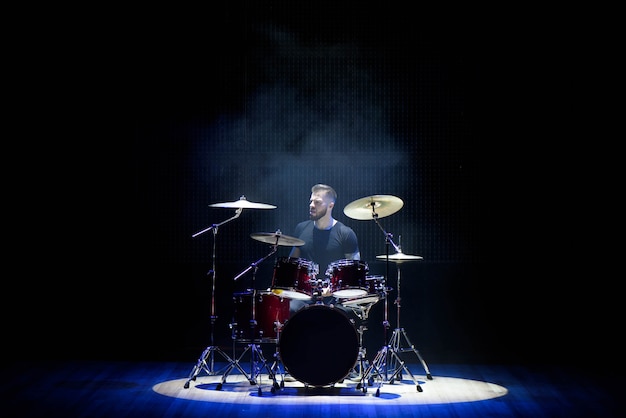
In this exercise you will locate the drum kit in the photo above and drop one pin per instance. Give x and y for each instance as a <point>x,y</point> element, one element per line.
<point>301,338</point>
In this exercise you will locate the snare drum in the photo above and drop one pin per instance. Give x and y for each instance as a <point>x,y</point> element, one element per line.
<point>347,278</point>
<point>295,277</point>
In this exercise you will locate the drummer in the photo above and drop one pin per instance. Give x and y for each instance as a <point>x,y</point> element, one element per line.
<point>326,240</point>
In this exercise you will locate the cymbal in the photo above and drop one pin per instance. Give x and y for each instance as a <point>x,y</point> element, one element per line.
<point>399,257</point>
<point>277,238</point>
<point>243,203</point>
<point>364,209</point>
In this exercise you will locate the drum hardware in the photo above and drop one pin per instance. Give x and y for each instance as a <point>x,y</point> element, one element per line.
<point>375,207</point>
<point>362,364</point>
<point>360,307</point>
<point>387,205</point>
<point>318,290</point>
<point>277,366</point>
<point>257,360</point>
<point>388,358</point>
<point>395,342</point>
<point>206,361</point>
<point>361,310</point>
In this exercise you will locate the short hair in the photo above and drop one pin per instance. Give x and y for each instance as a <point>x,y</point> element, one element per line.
<point>326,189</point>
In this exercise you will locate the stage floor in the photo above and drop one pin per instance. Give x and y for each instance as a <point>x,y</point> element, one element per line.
<point>157,389</point>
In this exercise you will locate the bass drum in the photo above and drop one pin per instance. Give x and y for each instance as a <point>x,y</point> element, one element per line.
<point>319,345</point>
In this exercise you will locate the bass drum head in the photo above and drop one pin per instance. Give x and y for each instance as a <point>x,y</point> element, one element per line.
<point>319,345</point>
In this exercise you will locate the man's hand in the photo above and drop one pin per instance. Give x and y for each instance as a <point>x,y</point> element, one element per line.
<point>326,291</point>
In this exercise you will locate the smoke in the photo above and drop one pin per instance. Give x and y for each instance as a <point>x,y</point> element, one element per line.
<point>317,109</point>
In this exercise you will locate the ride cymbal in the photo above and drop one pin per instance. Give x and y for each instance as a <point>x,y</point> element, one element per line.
<point>373,206</point>
<point>277,238</point>
<point>243,203</point>
<point>400,257</point>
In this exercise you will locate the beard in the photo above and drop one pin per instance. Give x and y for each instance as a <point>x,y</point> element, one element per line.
<point>319,214</point>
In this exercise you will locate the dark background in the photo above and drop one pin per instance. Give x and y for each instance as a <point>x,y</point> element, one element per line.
<point>471,124</point>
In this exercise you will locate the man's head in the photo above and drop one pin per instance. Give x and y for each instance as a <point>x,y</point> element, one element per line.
<point>322,201</point>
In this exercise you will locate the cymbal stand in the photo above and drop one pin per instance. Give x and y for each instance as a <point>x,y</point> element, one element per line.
<point>388,241</point>
<point>396,346</point>
<point>206,361</point>
<point>256,354</point>
<point>391,351</point>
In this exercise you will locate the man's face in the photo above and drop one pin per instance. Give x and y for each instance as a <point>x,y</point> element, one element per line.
<point>318,206</point>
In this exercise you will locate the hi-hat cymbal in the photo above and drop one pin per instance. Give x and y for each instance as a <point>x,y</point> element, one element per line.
<point>365,208</point>
<point>243,203</point>
<point>400,257</point>
<point>277,238</point>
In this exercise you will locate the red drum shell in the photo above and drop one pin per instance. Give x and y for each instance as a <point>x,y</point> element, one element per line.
<point>295,277</point>
<point>347,278</point>
<point>271,312</point>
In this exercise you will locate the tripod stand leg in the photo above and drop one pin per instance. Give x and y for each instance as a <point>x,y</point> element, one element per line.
<point>398,371</point>
<point>257,358</point>
<point>363,366</point>
<point>278,368</point>
<point>207,354</point>
<point>234,363</point>
<point>397,347</point>
<point>376,369</point>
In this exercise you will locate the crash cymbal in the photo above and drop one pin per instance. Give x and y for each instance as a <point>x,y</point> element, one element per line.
<point>277,238</point>
<point>364,209</point>
<point>243,203</point>
<point>399,257</point>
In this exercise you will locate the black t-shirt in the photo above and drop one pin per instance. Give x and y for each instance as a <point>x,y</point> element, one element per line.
<point>324,247</point>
